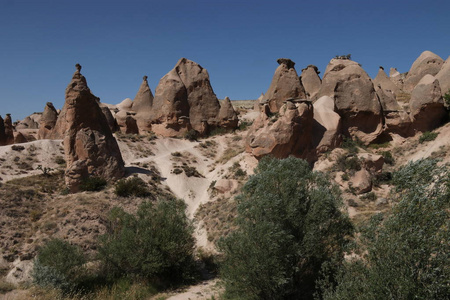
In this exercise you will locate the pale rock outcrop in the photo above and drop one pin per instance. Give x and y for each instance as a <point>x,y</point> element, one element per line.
<point>444,77</point>
<point>397,78</point>
<point>30,122</point>
<point>285,85</point>
<point>327,125</point>
<point>126,122</point>
<point>9,130</point>
<point>426,63</point>
<point>362,181</point>
<point>48,121</point>
<point>89,146</point>
<point>20,274</point>
<point>387,99</point>
<point>426,104</point>
<point>227,115</point>
<point>371,162</point>
<point>383,81</point>
<point>290,134</point>
<point>184,98</point>
<point>311,81</point>
<point>142,106</point>
<point>125,105</point>
<point>355,99</point>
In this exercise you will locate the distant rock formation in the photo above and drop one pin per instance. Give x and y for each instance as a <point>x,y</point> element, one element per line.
<point>48,121</point>
<point>89,147</point>
<point>112,122</point>
<point>444,77</point>
<point>30,122</point>
<point>20,138</point>
<point>397,78</point>
<point>285,85</point>
<point>9,130</point>
<point>355,99</point>
<point>311,81</point>
<point>383,81</point>
<point>426,105</point>
<point>426,63</point>
<point>2,132</point>
<point>228,118</point>
<point>184,99</point>
<point>142,106</point>
<point>289,134</point>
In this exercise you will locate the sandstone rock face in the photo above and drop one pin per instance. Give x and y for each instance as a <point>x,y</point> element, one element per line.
<point>125,105</point>
<point>355,99</point>
<point>285,85</point>
<point>30,122</point>
<point>48,121</point>
<point>311,81</point>
<point>397,78</point>
<point>383,81</point>
<point>9,130</point>
<point>19,138</point>
<point>426,104</point>
<point>89,146</point>
<point>185,92</point>
<point>362,181</point>
<point>112,122</point>
<point>426,63</point>
<point>387,99</point>
<point>2,132</point>
<point>327,126</point>
<point>444,77</point>
<point>142,106</point>
<point>126,122</point>
<point>290,134</point>
<point>227,115</point>
<point>371,162</point>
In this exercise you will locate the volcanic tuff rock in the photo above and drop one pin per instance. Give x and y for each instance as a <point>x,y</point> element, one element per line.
<point>444,77</point>
<point>327,125</point>
<point>89,146</point>
<point>9,130</point>
<point>311,81</point>
<point>355,99</point>
<point>285,84</point>
<point>426,63</point>
<point>112,122</point>
<point>290,134</point>
<point>142,106</point>
<point>383,81</point>
<point>2,132</point>
<point>183,98</point>
<point>48,121</point>
<point>227,115</point>
<point>397,78</point>
<point>30,122</point>
<point>426,104</point>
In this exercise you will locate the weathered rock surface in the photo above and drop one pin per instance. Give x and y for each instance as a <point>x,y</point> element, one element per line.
<point>371,162</point>
<point>48,121</point>
<point>311,81</point>
<point>327,126</point>
<point>30,122</point>
<point>362,181</point>
<point>290,134</point>
<point>426,104</point>
<point>185,92</point>
<point>227,115</point>
<point>125,105</point>
<point>112,122</point>
<point>383,81</point>
<point>426,63</point>
<point>355,99</point>
<point>9,130</point>
<point>19,138</point>
<point>285,85</point>
<point>142,106</point>
<point>397,78</point>
<point>126,122</point>
<point>387,99</point>
<point>444,77</point>
<point>2,132</point>
<point>89,146</point>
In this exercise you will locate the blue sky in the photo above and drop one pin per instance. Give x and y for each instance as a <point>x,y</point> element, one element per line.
<point>238,42</point>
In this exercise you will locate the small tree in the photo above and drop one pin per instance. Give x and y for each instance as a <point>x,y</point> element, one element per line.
<point>156,243</point>
<point>408,250</point>
<point>290,224</point>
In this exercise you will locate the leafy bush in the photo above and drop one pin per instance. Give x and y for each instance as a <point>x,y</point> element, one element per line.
<point>133,186</point>
<point>92,184</point>
<point>345,163</point>
<point>59,265</point>
<point>447,99</point>
<point>191,135</point>
<point>155,244</point>
<point>408,253</point>
<point>289,225</point>
<point>428,136</point>
<point>388,158</point>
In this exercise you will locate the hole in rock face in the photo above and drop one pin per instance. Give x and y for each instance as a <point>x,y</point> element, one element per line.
<point>74,84</point>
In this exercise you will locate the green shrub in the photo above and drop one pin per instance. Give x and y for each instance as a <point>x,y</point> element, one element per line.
<point>191,135</point>
<point>58,264</point>
<point>407,250</point>
<point>447,99</point>
<point>388,158</point>
<point>133,186</point>
<point>352,145</point>
<point>428,136</point>
<point>345,163</point>
<point>92,184</point>
<point>244,125</point>
<point>156,243</point>
<point>289,225</point>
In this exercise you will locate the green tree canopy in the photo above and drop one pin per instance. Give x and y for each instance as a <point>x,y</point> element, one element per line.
<point>290,224</point>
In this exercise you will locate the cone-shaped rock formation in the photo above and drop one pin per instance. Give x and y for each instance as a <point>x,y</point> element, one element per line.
<point>311,81</point>
<point>227,115</point>
<point>9,130</point>
<point>48,121</point>
<point>426,63</point>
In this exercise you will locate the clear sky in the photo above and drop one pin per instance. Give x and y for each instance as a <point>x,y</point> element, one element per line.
<point>238,42</point>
